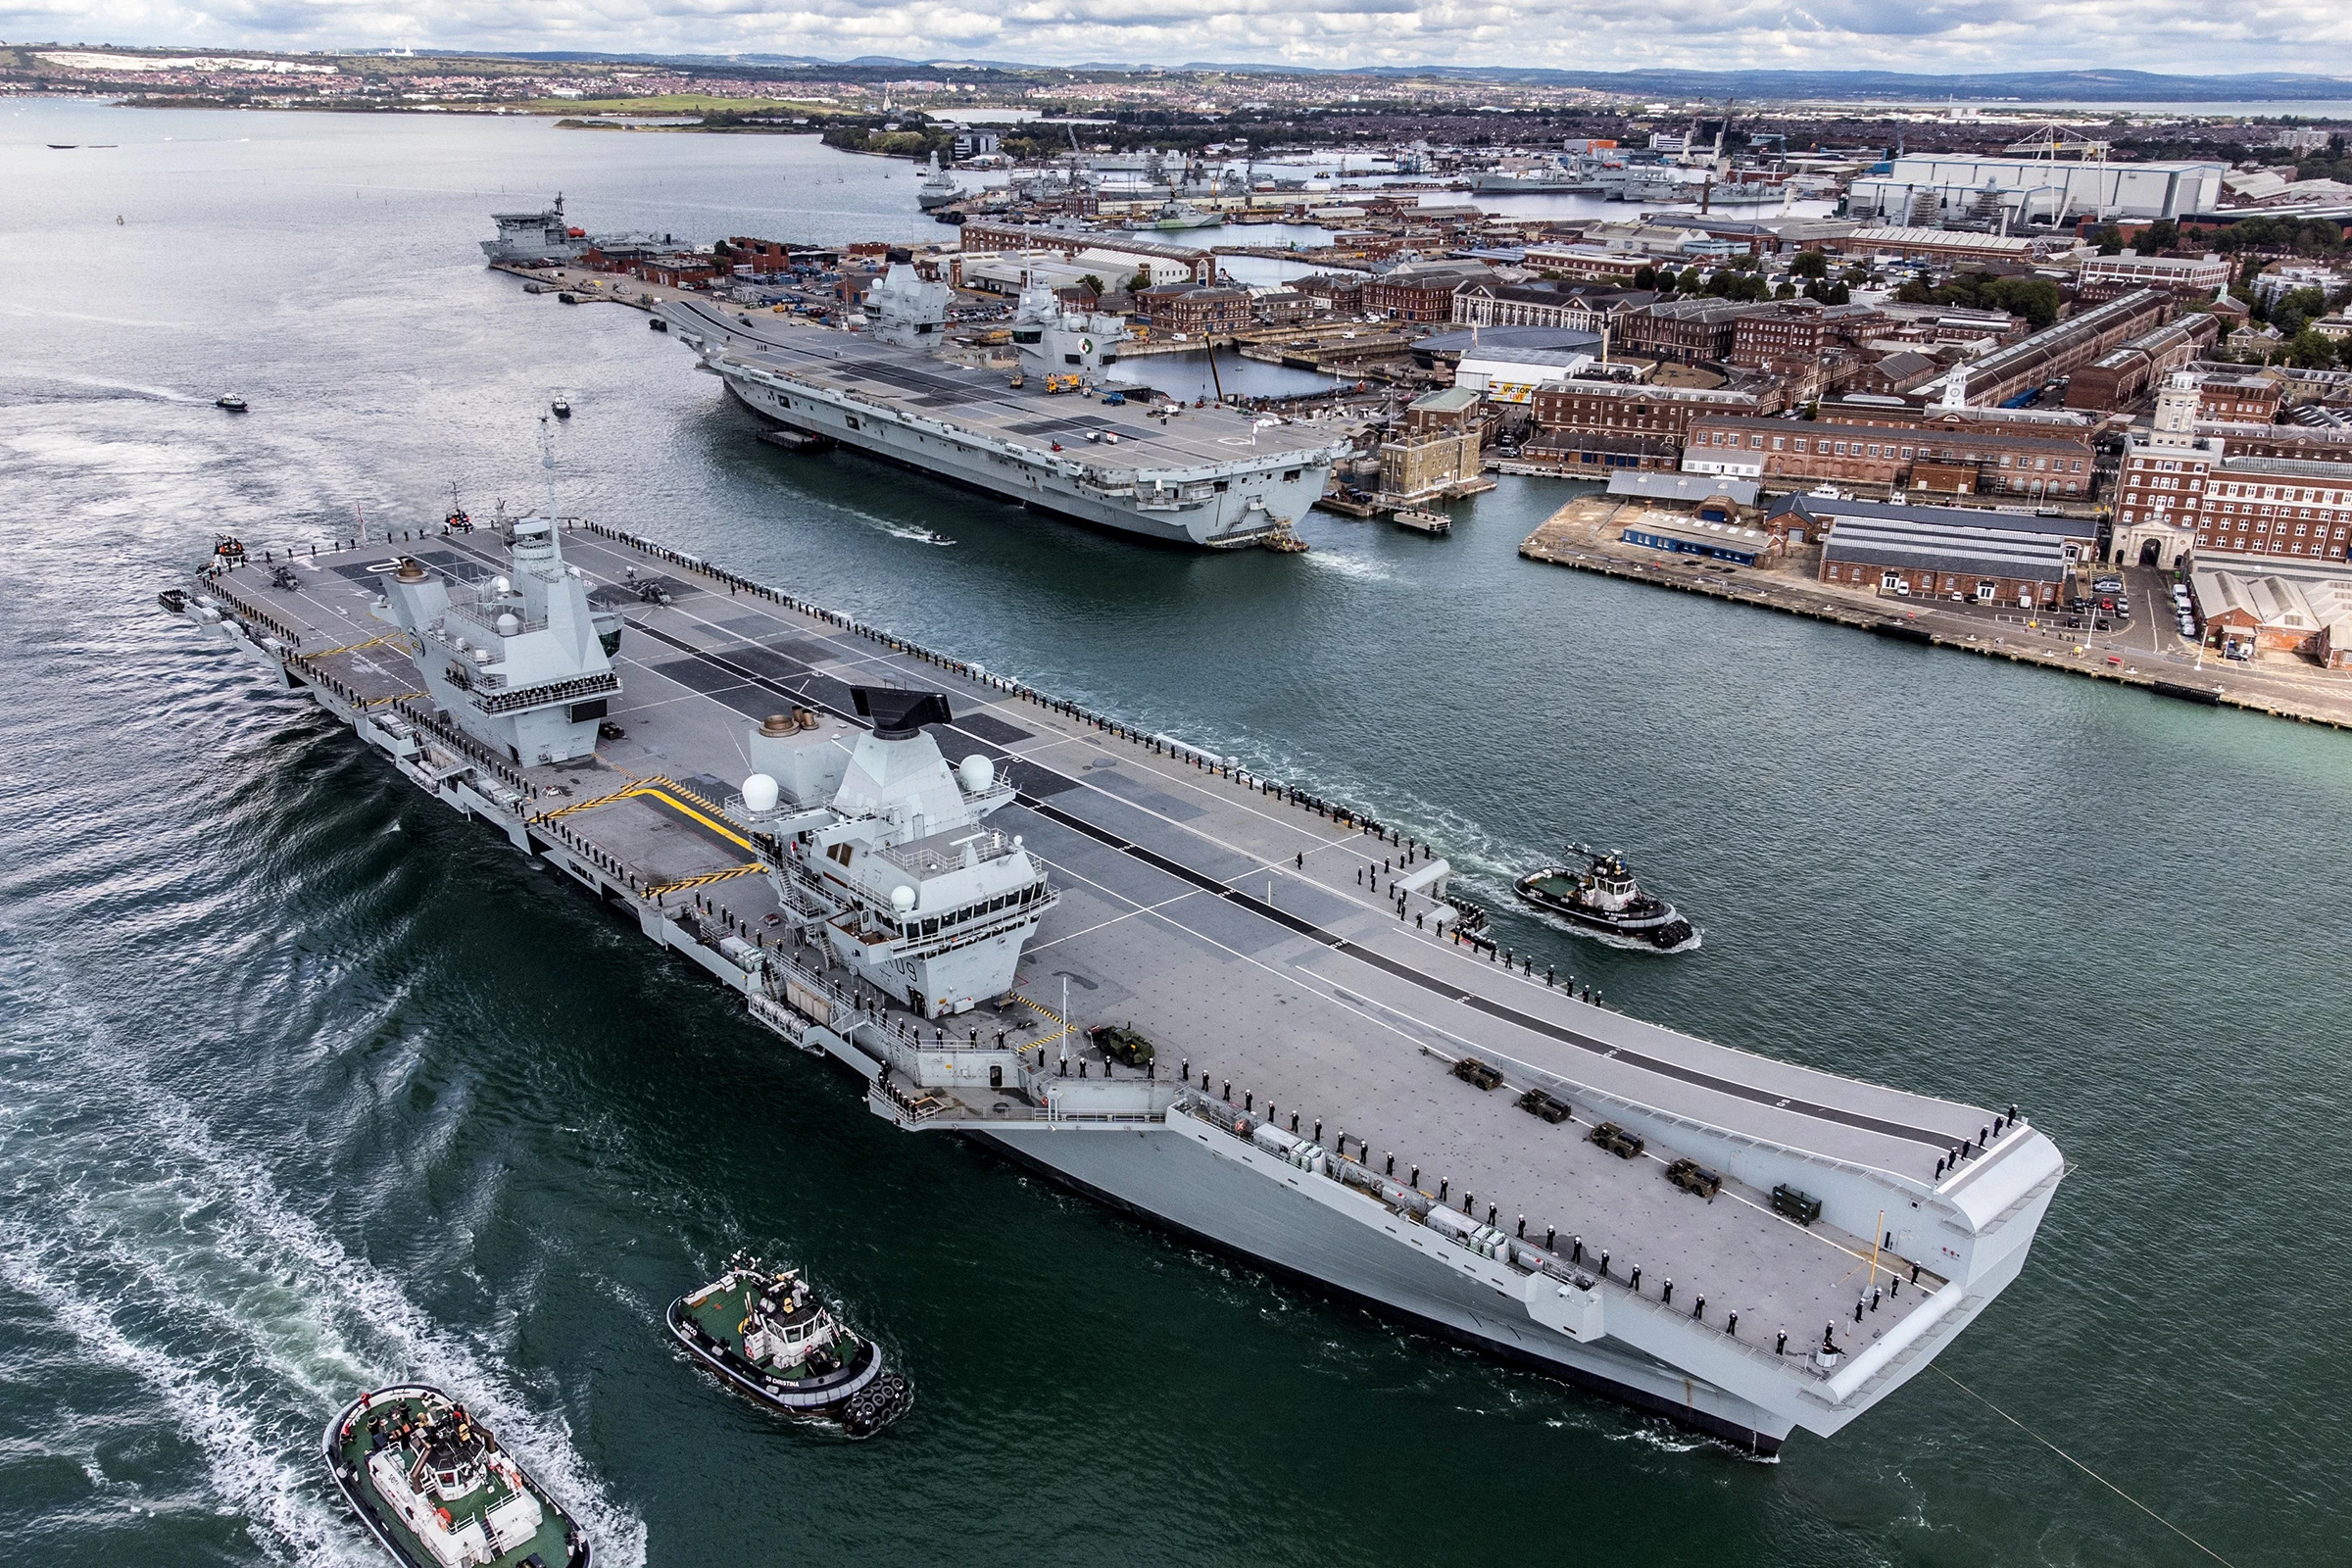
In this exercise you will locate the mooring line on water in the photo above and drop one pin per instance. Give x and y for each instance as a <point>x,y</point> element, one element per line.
<point>2086,1470</point>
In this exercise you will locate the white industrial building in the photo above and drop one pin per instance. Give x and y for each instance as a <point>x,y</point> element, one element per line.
<point>1929,188</point>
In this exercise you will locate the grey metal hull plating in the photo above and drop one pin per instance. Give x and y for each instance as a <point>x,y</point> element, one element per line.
<point>1412,1275</point>
<point>1227,519</point>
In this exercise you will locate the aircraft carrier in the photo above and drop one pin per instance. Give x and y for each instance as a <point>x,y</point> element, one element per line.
<point>1208,476</point>
<point>1349,1089</point>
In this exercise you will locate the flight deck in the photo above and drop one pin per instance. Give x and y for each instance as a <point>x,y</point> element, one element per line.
<point>1308,988</point>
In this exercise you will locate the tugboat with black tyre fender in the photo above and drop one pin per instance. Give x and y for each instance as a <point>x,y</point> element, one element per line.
<point>769,1335</point>
<point>1604,899</point>
<point>436,1491</point>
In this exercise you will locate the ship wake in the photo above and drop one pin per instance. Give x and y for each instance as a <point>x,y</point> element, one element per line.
<point>165,1252</point>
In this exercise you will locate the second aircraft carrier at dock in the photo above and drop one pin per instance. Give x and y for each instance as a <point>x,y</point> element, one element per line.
<point>1348,1090</point>
<point>1185,475</point>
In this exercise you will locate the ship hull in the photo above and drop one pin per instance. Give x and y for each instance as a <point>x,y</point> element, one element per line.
<point>1170,1181</point>
<point>1664,931</point>
<point>1222,523</point>
<point>818,1400</point>
<point>393,1537</point>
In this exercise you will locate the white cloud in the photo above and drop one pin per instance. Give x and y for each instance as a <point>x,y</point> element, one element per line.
<point>1925,37</point>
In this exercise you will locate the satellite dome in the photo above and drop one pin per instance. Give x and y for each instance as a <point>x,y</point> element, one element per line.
<point>901,899</point>
<point>758,793</point>
<point>500,586</point>
<point>977,773</point>
<point>508,623</point>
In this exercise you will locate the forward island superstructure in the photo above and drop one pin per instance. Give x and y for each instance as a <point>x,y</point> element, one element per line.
<point>1205,475</point>
<point>1345,1088</point>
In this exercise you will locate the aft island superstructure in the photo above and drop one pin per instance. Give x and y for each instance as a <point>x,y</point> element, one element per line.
<point>1044,435</point>
<point>904,862</point>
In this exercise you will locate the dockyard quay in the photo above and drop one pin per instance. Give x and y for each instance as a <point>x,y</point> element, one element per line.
<point>1806,361</point>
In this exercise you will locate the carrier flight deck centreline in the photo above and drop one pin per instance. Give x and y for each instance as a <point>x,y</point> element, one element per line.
<point>1199,993</point>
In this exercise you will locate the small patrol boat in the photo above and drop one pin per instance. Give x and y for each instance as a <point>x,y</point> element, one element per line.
<point>561,408</point>
<point>230,401</point>
<point>1602,897</point>
<point>436,1491</point>
<point>769,1335</point>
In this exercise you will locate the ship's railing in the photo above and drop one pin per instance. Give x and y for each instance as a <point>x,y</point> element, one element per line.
<point>603,683</point>
<point>1521,1255</point>
<point>809,995</point>
<point>913,1107</point>
<point>253,614</point>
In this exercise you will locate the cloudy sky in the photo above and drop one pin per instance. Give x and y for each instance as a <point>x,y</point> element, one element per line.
<point>1913,35</point>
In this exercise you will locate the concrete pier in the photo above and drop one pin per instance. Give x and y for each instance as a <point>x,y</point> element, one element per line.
<point>1584,534</point>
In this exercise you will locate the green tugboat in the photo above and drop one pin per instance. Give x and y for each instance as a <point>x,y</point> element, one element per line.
<point>768,1333</point>
<point>1603,898</point>
<point>436,1491</point>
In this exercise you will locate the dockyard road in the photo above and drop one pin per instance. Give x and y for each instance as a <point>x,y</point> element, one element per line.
<point>2144,651</point>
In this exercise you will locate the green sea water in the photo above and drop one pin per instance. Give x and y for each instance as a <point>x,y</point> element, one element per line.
<point>306,1084</point>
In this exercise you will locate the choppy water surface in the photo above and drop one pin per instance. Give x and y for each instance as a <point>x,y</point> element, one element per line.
<point>306,1084</point>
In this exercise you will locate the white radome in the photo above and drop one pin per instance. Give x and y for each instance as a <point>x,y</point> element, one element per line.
<point>758,793</point>
<point>977,773</point>
<point>901,899</point>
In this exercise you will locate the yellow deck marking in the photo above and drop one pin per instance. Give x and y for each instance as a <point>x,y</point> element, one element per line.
<point>659,789</point>
<point>1039,1007</point>
<point>353,648</point>
<point>707,878</point>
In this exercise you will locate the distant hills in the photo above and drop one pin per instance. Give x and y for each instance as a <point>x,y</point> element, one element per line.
<point>2020,86</point>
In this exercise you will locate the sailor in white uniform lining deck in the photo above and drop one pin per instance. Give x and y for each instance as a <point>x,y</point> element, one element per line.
<point>1296,967</point>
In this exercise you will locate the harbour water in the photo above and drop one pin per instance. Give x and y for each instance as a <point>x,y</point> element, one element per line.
<point>306,1084</point>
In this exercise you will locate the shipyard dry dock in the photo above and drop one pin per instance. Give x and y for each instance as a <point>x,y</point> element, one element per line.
<point>1308,996</point>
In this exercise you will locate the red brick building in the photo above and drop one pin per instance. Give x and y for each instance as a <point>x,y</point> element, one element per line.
<point>767,257</point>
<point>1631,408</point>
<point>1281,307</point>
<point>1575,452</point>
<point>2123,373</point>
<point>684,269</point>
<point>2301,443</point>
<point>2258,506</point>
<point>1195,309</point>
<point>1341,293</point>
<point>2239,399</point>
<point>1953,459</point>
<point>1795,334</point>
<point>1687,331</point>
<point>1413,297</point>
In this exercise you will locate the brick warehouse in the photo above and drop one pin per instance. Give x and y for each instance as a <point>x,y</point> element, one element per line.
<point>1955,460</point>
<point>1988,566</point>
<point>1631,408</point>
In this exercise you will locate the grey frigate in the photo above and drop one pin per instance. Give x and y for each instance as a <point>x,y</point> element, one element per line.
<point>1050,436</point>
<point>1212,998</point>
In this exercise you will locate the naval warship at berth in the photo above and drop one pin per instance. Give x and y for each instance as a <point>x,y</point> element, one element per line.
<point>1187,475</point>
<point>1277,1040</point>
